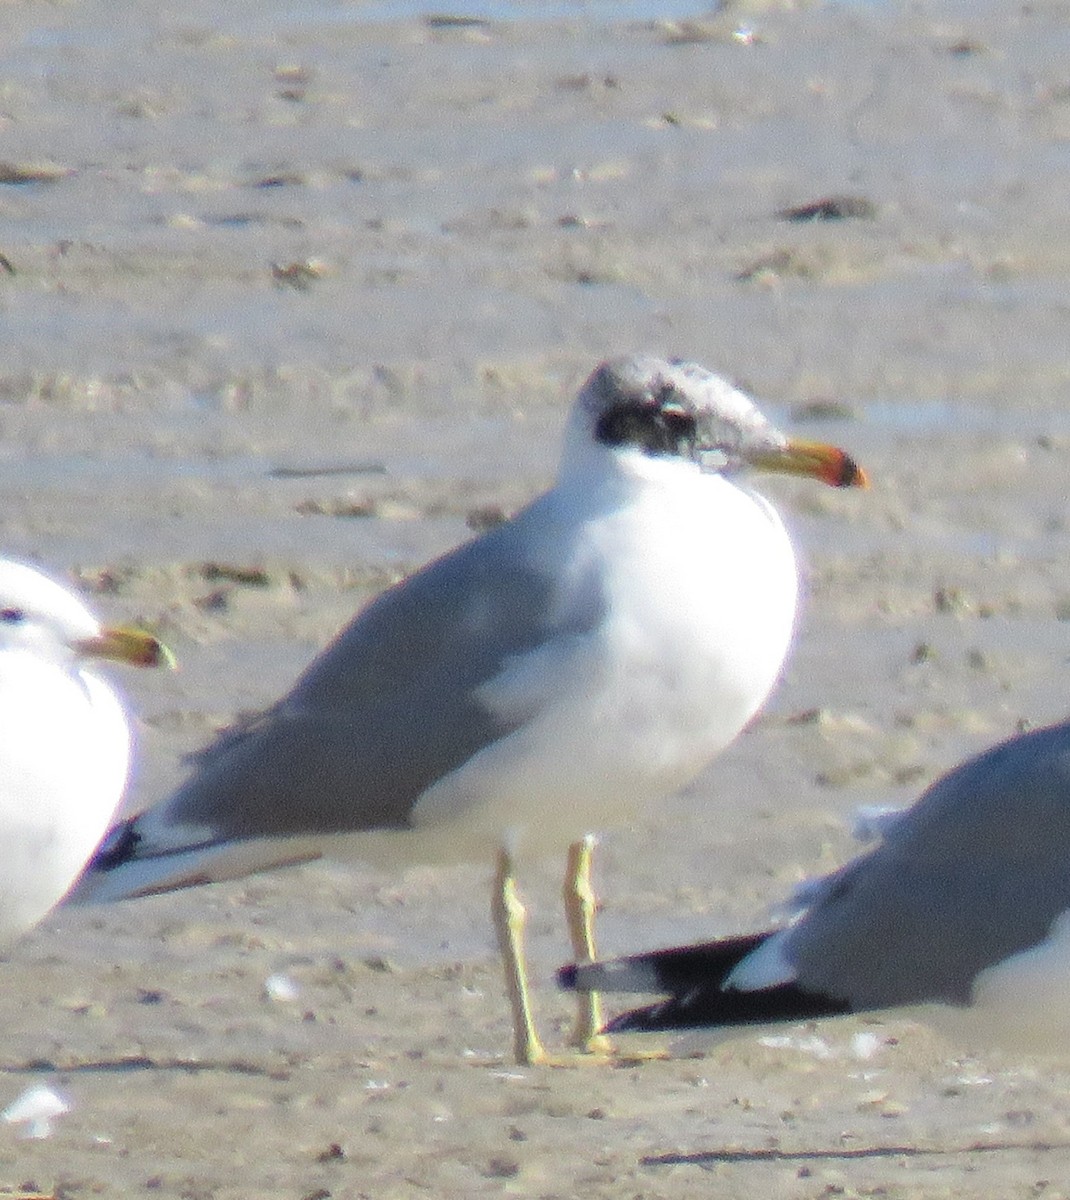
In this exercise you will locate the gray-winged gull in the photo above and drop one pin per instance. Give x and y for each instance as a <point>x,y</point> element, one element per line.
<point>550,677</point>
<point>64,740</point>
<point>961,914</point>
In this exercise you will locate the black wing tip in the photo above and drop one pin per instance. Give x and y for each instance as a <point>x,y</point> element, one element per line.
<point>119,847</point>
<point>708,1008</point>
<point>675,971</point>
<point>642,1020</point>
<point>693,979</point>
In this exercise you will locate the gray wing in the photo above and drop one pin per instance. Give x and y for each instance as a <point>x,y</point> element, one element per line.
<point>977,870</point>
<point>389,707</point>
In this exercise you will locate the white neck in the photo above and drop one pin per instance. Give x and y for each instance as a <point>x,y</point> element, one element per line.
<point>592,464</point>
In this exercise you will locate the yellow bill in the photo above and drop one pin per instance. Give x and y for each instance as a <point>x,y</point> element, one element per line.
<point>128,644</point>
<point>818,460</point>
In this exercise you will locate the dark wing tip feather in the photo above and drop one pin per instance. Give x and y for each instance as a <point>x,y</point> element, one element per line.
<point>671,971</point>
<point>711,1008</point>
<point>704,965</point>
<point>119,847</point>
<point>694,980</point>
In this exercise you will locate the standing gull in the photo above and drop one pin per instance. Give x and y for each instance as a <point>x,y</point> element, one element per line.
<point>556,674</point>
<point>963,908</point>
<point>64,740</point>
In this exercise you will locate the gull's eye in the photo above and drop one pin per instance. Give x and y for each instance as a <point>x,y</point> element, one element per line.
<point>658,419</point>
<point>12,616</point>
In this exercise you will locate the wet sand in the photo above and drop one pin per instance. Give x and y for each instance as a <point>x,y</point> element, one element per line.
<point>290,303</point>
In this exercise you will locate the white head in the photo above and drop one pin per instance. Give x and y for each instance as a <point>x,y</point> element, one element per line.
<point>655,410</point>
<point>39,616</point>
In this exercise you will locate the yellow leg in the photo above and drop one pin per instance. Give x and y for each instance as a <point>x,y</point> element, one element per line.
<point>580,909</point>
<point>509,919</point>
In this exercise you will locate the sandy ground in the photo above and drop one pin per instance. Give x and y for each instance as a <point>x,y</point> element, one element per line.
<point>289,300</point>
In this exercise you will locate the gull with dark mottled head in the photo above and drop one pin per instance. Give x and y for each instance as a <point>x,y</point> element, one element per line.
<point>556,675</point>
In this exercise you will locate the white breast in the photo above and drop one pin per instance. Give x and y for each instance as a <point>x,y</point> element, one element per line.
<point>64,750</point>
<point>701,587</point>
